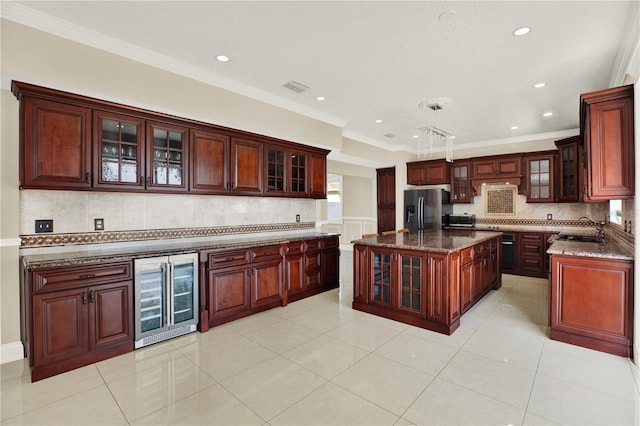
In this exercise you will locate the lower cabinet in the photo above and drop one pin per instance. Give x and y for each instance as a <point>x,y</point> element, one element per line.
<point>78,316</point>
<point>242,282</point>
<point>479,272</point>
<point>592,303</point>
<point>532,251</point>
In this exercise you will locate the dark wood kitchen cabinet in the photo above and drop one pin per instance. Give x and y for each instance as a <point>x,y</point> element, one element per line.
<point>540,177</point>
<point>592,303</point>
<point>240,282</point>
<point>569,170</point>
<point>431,172</point>
<point>287,171</point>
<point>77,315</point>
<point>74,142</point>
<point>386,198</point>
<point>497,166</point>
<point>55,144</point>
<point>167,154</point>
<point>119,147</point>
<point>532,251</point>
<point>461,189</point>
<point>210,162</point>
<point>607,132</point>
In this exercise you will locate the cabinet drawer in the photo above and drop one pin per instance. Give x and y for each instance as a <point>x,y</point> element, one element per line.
<point>266,253</point>
<point>219,259</point>
<point>292,248</point>
<point>466,255</point>
<point>328,243</point>
<point>53,279</point>
<point>312,245</point>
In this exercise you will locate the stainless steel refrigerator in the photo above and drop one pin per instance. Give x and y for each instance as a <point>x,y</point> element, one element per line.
<point>425,209</point>
<point>166,297</point>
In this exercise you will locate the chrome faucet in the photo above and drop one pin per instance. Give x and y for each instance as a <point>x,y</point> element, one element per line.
<point>599,227</point>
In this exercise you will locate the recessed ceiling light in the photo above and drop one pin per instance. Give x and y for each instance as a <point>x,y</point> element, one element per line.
<point>415,136</point>
<point>547,114</point>
<point>378,121</point>
<point>452,136</point>
<point>514,127</point>
<point>222,58</point>
<point>320,98</point>
<point>539,85</point>
<point>521,31</point>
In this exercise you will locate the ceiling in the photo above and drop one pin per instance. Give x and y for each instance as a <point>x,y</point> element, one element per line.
<point>377,60</point>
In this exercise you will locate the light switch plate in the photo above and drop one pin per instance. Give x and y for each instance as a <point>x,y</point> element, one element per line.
<point>98,224</point>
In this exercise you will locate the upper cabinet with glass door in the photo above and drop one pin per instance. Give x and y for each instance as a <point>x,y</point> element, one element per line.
<point>119,151</point>
<point>540,173</point>
<point>287,171</point>
<point>166,157</point>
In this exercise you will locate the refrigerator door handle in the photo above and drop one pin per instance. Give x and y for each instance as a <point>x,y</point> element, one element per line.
<point>420,212</point>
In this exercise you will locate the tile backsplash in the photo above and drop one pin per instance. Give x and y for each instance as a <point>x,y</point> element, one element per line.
<point>75,211</point>
<point>524,210</point>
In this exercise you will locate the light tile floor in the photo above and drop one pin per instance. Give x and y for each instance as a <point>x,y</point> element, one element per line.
<point>317,361</point>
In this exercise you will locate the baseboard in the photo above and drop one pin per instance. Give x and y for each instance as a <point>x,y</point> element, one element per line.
<point>11,352</point>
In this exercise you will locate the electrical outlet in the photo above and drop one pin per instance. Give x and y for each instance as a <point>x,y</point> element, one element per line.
<point>549,216</point>
<point>98,224</point>
<point>297,218</point>
<point>44,226</point>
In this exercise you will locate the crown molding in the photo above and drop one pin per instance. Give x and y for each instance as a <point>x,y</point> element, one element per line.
<point>629,50</point>
<point>27,16</point>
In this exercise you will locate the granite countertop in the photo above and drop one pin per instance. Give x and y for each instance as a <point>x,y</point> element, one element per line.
<point>448,240</point>
<point>151,249</point>
<point>612,249</point>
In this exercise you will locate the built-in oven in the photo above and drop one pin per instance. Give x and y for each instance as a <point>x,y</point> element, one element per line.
<point>508,251</point>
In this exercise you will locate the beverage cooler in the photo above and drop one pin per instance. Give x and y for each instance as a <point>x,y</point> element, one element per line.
<point>166,297</point>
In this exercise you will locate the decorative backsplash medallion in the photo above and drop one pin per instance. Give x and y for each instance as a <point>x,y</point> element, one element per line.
<point>500,200</point>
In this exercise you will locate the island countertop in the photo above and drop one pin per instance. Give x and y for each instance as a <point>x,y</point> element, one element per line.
<point>445,241</point>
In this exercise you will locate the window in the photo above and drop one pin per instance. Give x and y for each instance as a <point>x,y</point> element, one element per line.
<point>615,211</point>
<point>334,197</point>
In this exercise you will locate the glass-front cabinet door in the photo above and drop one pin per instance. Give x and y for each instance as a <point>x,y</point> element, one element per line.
<point>540,179</point>
<point>382,277</point>
<point>461,190</point>
<point>275,170</point>
<point>287,171</point>
<point>412,288</point>
<point>166,158</point>
<point>119,147</point>
<point>568,151</point>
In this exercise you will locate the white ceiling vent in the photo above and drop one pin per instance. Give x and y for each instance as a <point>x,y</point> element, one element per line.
<point>296,86</point>
<point>390,135</point>
<point>435,104</point>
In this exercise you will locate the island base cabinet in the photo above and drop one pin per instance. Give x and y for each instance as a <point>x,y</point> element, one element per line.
<point>592,303</point>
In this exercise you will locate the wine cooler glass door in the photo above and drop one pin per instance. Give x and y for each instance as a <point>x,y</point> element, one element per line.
<point>184,294</point>
<point>151,302</point>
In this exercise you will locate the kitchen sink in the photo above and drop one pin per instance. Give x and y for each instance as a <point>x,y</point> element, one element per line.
<point>579,238</point>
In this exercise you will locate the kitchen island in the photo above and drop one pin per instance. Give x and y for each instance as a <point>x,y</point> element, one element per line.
<point>425,278</point>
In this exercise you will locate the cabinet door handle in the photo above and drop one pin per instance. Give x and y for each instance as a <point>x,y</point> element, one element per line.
<point>84,298</point>
<point>141,180</point>
<point>148,181</point>
<point>86,177</point>
<point>91,296</point>
<point>87,275</point>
